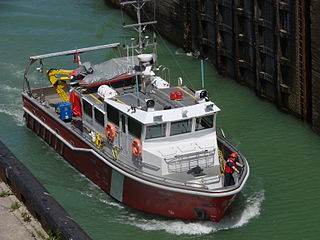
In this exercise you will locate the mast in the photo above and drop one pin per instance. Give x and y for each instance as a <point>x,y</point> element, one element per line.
<point>139,26</point>
<point>142,42</point>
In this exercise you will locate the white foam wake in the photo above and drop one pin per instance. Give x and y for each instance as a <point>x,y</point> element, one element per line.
<point>9,89</point>
<point>14,70</point>
<point>16,114</point>
<point>112,203</point>
<point>11,102</point>
<point>103,200</point>
<point>179,227</point>
<point>252,210</point>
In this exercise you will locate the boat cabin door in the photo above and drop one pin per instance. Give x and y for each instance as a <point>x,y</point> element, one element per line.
<point>123,136</point>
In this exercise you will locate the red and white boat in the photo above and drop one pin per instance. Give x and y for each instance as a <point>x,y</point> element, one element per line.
<point>150,145</point>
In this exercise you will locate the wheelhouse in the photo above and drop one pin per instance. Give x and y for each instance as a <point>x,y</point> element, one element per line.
<point>131,115</point>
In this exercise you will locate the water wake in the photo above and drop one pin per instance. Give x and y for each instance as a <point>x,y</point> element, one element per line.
<point>102,199</point>
<point>111,203</point>
<point>14,70</point>
<point>16,114</point>
<point>10,95</point>
<point>252,210</point>
<point>179,227</point>
<point>235,218</point>
<point>9,89</point>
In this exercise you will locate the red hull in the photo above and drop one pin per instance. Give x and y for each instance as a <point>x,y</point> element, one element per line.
<point>126,190</point>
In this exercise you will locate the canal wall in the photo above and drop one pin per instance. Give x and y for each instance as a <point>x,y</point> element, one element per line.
<point>272,46</point>
<point>315,63</point>
<point>52,217</point>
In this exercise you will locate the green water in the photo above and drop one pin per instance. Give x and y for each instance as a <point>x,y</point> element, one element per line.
<point>281,198</point>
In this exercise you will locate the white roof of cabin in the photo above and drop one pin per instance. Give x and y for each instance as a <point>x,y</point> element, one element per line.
<point>169,115</point>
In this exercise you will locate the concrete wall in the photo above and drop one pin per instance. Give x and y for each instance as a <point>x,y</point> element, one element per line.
<point>36,198</point>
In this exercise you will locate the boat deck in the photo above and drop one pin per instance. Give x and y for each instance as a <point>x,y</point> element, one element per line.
<point>184,176</point>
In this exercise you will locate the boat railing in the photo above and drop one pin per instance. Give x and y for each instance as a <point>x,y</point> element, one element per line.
<point>180,163</point>
<point>70,52</point>
<point>185,162</point>
<point>132,169</point>
<point>33,59</point>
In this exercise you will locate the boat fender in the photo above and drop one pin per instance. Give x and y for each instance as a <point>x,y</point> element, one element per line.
<point>110,131</point>
<point>136,147</point>
<point>98,140</point>
<point>115,152</point>
<point>93,136</point>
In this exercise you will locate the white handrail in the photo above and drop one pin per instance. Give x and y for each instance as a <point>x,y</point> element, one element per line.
<point>69,52</point>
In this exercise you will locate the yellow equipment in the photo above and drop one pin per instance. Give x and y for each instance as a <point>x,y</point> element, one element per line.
<point>98,140</point>
<point>58,79</point>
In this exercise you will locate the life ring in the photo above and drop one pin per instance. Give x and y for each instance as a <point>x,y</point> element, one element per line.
<point>110,131</point>
<point>136,148</point>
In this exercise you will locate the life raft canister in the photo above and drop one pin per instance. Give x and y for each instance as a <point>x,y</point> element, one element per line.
<point>136,147</point>
<point>110,131</point>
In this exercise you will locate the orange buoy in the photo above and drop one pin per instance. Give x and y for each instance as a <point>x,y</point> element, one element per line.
<point>136,147</point>
<point>110,131</point>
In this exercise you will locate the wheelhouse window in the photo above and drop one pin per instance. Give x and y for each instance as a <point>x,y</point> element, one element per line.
<point>87,108</point>
<point>134,127</point>
<point>156,131</point>
<point>99,116</point>
<point>204,122</point>
<point>113,114</point>
<point>180,127</point>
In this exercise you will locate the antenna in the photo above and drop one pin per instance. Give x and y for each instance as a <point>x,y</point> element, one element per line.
<point>139,26</point>
<point>202,74</point>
